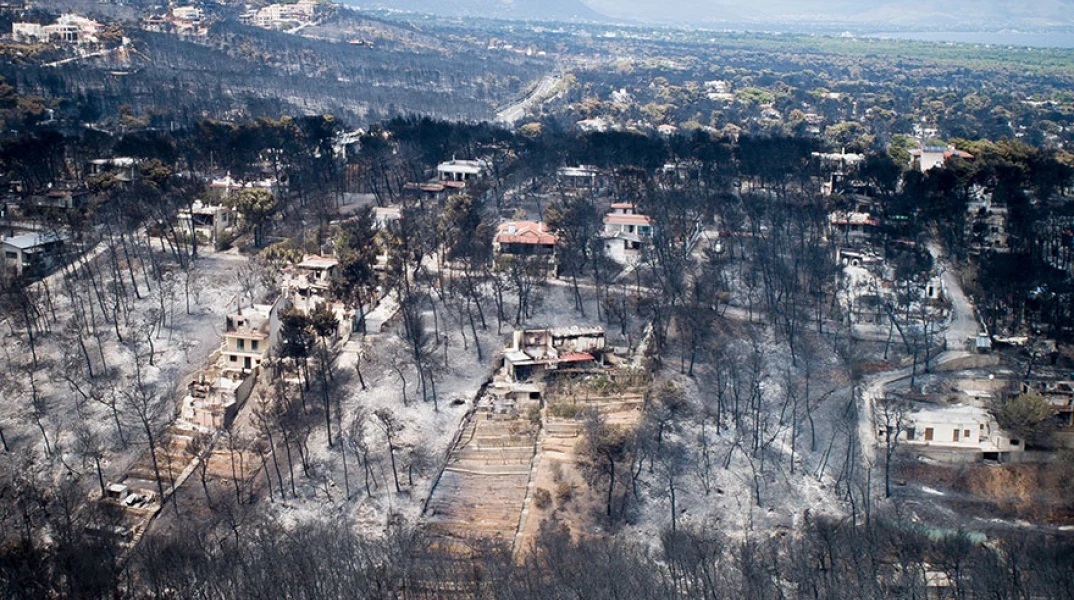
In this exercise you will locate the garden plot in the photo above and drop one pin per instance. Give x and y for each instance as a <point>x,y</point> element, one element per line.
<point>484,485</point>
<point>558,487</point>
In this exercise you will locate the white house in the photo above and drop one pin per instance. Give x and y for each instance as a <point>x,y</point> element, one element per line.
<point>927,158</point>
<point>225,186</point>
<point>250,336</point>
<point>31,254</point>
<point>579,176</point>
<point>384,216</point>
<point>208,221</point>
<point>307,283</point>
<point>625,231</point>
<point>28,32</point>
<point>959,433</point>
<point>190,14</point>
<point>214,398</point>
<point>69,28</point>
<point>461,170</point>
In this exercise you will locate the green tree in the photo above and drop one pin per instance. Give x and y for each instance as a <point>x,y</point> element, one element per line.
<point>324,324</point>
<point>356,250</point>
<point>296,339</point>
<point>1028,416</point>
<point>257,207</point>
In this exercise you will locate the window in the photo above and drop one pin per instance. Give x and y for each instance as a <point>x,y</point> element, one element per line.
<point>11,255</point>
<point>242,344</point>
<point>966,434</point>
<point>253,346</point>
<point>928,434</point>
<point>232,358</point>
<point>956,434</point>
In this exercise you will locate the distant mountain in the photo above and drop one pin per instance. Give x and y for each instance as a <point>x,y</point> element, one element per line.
<point>542,10</point>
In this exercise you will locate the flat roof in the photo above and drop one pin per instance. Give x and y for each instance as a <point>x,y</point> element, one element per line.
<point>317,262</point>
<point>462,166</point>
<point>576,330</point>
<point>27,241</point>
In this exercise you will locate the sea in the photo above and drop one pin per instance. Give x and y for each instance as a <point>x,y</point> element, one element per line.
<point>1051,39</point>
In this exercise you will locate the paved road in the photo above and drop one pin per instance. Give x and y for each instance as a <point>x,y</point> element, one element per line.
<point>961,326</point>
<point>963,323</point>
<point>516,111</point>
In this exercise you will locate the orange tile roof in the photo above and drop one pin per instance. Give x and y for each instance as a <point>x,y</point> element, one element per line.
<point>628,219</point>
<point>525,232</point>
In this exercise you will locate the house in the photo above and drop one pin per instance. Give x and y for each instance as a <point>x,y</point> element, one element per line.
<point>681,170</point>
<point>838,166</point>
<point>856,258</point>
<point>279,16</point>
<point>250,336</point>
<point>157,23</point>
<point>666,130</point>
<point>524,238</point>
<point>853,228</point>
<point>959,433</point>
<point>348,142</point>
<point>625,231</point>
<point>384,216</point>
<point>839,159</point>
<point>190,14</point>
<point>534,353</point>
<point>28,32</point>
<point>121,168</point>
<point>461,170</point>
<point>224,187</point>
<point>1058,392</point>
<point>581,176</point>
<point>62,198</point>
<point>927,158</point>
<point>934,289</point>
<point>207,221</point>
<point>986,225</point>
<point>307,283</point>
<point>433,191</point>
<point>598,124</point>
<point>509,399</point>
<point>214,398</point>
<point>68,28</point>
<point>31,255</point>
<point>183,20</point>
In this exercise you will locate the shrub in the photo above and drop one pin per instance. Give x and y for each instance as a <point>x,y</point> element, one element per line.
<point>542,498</point>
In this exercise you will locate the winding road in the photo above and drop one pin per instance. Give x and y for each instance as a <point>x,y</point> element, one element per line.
<point>961,327</point>
<point>540,92</point>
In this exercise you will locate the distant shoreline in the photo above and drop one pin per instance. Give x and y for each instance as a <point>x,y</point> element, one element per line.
<point>1058,39</point>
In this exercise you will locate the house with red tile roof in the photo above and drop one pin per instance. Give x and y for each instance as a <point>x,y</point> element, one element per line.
<point>524,238</point>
